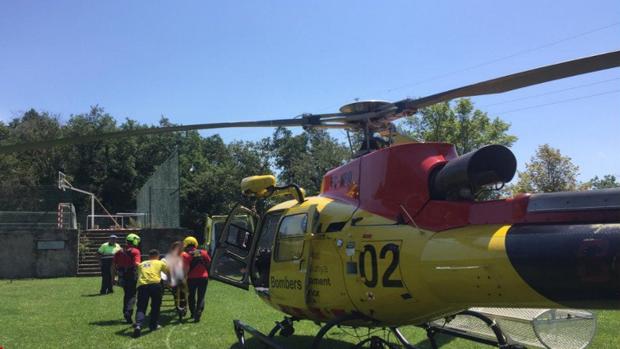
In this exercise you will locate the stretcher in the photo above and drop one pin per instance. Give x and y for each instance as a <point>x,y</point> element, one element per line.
<point>178,294</point>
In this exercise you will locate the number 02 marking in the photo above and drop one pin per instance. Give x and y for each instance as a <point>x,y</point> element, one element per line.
<point>386,280</point>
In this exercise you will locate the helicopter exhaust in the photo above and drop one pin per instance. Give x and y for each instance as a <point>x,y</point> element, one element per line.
<point>463,177</point>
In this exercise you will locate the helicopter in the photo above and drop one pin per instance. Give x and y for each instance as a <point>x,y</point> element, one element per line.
<point>397,237</point>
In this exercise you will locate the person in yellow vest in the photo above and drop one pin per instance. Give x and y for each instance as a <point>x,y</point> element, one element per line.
<point>106,253</point>
<point>149,287</point>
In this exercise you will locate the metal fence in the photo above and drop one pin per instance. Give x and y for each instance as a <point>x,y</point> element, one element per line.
<point>36,206</point>
<point>116,221</point>
<point>158,200</point>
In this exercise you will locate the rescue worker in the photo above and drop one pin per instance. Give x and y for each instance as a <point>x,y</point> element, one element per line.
<point>125,264</point>
<point>197,261</point>
<point>149,288</point>
<point>106,253</point>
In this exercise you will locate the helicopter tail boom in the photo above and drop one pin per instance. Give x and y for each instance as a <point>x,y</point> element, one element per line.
<point>574,265</point>
<point>526,265</point>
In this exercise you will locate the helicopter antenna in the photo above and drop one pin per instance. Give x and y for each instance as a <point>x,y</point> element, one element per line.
<point>367,136</point>
<point>349,139</point>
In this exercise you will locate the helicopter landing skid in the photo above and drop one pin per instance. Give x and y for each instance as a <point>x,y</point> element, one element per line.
<point>499,342</point>
<point>284,327</point>
<point>374,341</point>
<point>241,328</point>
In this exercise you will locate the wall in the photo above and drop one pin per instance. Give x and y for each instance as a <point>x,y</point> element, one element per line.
<point>21,255</point>
<point>38,253</point>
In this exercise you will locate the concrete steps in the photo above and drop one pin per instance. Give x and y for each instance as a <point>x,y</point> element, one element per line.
<point>88,264</point>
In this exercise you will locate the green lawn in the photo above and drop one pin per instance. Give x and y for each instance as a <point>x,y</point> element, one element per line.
<point>67,313</point>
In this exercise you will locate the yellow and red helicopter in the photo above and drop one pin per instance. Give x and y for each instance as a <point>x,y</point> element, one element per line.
<point>396,236</point>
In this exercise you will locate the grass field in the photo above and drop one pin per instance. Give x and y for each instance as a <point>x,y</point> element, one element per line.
<point>67,313</point>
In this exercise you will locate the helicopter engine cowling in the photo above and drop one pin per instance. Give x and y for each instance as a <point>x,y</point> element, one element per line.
<point>463,177</point>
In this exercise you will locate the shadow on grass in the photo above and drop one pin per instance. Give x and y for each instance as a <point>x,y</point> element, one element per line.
<point>167,317</point>
<point>127,332</point>
<point>164,320</point>
<point>304,341</point>
<point>293,342</point>
<point>95,295</point>
<point>440,339</point>
<point>108,323</point>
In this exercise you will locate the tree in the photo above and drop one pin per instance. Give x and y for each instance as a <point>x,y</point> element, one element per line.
<point>608,181</point>
<point>210,170</point>
<point>548,171</point>
<point>211,173</point>
<point>303,159</point>
<point>35,166</point>
<point>458,123</point>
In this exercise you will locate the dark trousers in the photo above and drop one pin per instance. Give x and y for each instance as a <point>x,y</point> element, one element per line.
<point>106,276</point>
<point>146,292</point>
<point>129,288</point>
<point>197,289</point>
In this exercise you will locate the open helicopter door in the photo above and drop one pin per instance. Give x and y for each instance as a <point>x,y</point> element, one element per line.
<point>290,267</point>
<point>231,259</point>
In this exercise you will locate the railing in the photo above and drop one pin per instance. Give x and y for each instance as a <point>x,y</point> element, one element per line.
<point>63,218</point>
<point>117,221</point>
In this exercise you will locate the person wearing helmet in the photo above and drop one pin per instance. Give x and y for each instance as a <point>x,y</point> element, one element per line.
<point>197,261</point>
<point>125,264</point>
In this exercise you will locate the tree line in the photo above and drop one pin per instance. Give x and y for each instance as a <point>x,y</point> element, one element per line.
<point>211,170</point>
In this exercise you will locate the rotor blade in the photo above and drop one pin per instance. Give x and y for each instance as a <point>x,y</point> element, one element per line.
<point>519,80</point>
<point>307,120</point>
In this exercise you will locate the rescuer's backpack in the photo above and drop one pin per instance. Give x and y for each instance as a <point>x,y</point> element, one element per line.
<point>197,259</point>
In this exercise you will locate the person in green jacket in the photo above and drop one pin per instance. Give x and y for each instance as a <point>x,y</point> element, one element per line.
<point>106,252</point>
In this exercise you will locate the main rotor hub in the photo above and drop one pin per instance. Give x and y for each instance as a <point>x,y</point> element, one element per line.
<point>369,106</point>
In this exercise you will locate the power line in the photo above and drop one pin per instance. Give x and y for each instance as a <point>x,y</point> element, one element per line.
<point>549,93</point>
<point>495,60</point>
<point>559,102</point>
<point>518,53</point>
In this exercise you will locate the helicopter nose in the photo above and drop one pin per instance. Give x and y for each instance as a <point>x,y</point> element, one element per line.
<point>576,265</point>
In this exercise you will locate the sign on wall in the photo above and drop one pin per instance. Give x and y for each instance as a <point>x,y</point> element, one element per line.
<point>50,245</point>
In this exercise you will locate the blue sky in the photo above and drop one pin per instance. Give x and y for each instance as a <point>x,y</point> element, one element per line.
<point>221,61</point>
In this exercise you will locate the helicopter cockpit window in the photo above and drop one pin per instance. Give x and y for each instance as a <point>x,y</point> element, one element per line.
<point>290,240</point>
